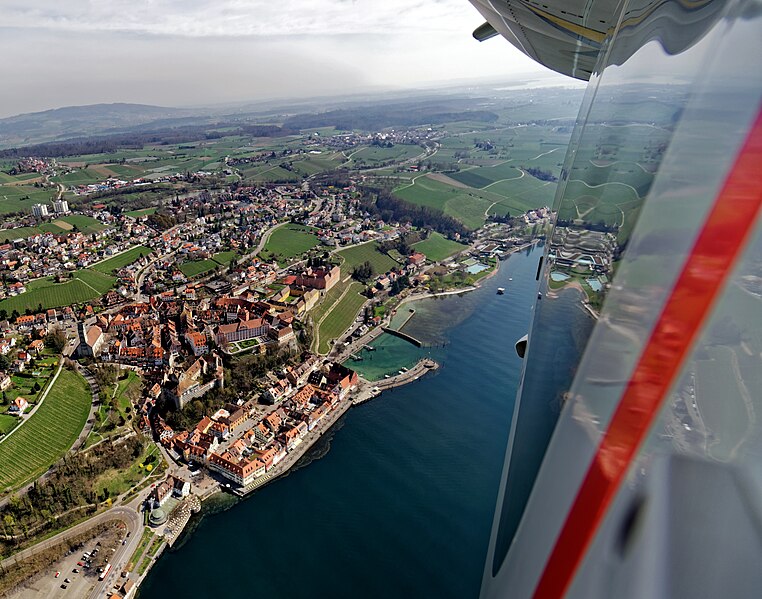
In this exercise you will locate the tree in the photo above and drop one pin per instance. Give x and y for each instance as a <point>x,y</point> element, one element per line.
<point>56,340</point>
<point>363,272</point>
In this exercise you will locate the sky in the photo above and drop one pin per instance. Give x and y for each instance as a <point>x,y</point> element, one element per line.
<point>202,52</point>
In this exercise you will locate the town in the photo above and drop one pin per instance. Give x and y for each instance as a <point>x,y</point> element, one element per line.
<point>207,327</point>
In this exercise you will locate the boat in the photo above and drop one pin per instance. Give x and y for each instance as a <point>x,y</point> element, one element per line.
<point>386,376</point>
<point>500,290</point>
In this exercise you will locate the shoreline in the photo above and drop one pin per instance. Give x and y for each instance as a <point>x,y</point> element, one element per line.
<point>365,391</point>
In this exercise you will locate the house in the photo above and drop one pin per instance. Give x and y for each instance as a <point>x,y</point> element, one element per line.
<point>180,487</point>
<point>416,259</point>
<point>162,492</point>
<point>5,381</point>
<point>18,405</point>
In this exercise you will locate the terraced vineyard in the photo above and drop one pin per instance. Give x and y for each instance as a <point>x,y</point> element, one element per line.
<point>48,434</point>
<point>85,285</point>
<point>341,316</point>
<point>366,252</point>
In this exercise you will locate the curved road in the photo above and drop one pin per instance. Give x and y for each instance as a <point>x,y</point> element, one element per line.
<point>128,515</point>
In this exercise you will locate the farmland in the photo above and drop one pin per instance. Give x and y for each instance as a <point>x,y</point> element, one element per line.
<point>378,155</point>
<point>121,260</point>
<point>437,247</point>
<point>366,252</point>
<point>58,421</point>
<point>84,286</point>
<point>470,206</point>
<point>20,198</point>
<point>341,316</point>
<point>83,224</point>
<point>289,241</point>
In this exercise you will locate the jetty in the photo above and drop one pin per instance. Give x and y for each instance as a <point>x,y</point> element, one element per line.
<point>404,336</point>
<point>374,389</point>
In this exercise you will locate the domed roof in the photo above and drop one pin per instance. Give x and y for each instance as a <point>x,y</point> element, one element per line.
<point>157,517</point>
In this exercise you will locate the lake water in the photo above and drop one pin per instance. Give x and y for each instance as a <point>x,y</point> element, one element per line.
<point>398,500</point>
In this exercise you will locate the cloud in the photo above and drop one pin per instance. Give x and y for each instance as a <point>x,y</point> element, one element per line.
<point>240,18</point>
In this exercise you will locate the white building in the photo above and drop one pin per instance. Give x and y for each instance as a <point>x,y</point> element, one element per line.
<point>61,206</point>
<point>40,210</point>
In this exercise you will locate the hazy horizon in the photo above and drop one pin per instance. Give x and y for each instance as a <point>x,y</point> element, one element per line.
<point>201,53</point>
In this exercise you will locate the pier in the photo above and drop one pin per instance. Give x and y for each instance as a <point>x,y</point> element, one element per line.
<point>372,390</point>
<point>404,336</point>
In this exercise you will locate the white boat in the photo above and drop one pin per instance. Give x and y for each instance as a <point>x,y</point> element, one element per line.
<point>500,290</point>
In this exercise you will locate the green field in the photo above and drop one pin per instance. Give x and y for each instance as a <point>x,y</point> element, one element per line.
<point>19,233</point>
<point>111,265</point>
<point>7,423</point>
<point>376,155</point>
<point>437,247</point>
<point>224,258</point>
<point>83,224</point>
<point>48,434</point>
<point>366,252</point>
<point>289,241</point>
<point>84,286</point>
<point>341,316</point>
<point>193,268</point>
<point>20,198</point>
<point>141,212</point>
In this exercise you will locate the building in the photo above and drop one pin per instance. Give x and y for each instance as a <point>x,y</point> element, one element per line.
<point>241,472</point>
<point>61,206</point>
<point>40,210</point>
<point>188,384</point>
<point>18,405</point>
<point>90,341</point>
<point>198,343</point>
<point>5,381</point>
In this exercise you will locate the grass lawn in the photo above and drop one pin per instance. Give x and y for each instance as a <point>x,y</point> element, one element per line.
<point>437,247</point>
<point>224,258</point>
<point>144,540</point>
<point>141,212</point>
<point>193,268</point>
<point>121,260</point>
<point>47,435</point>
<point>7,423</point>
<point>369,252</point>
<point>341,316</point>
<point>289,241</point>
<point>121,481</point>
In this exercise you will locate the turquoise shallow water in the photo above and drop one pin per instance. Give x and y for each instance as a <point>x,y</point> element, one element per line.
<point>398,501</point>
<point>389,355</point>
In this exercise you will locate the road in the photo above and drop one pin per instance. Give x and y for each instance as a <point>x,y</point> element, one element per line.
<point>128,515</point>
<point>123,553</point>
